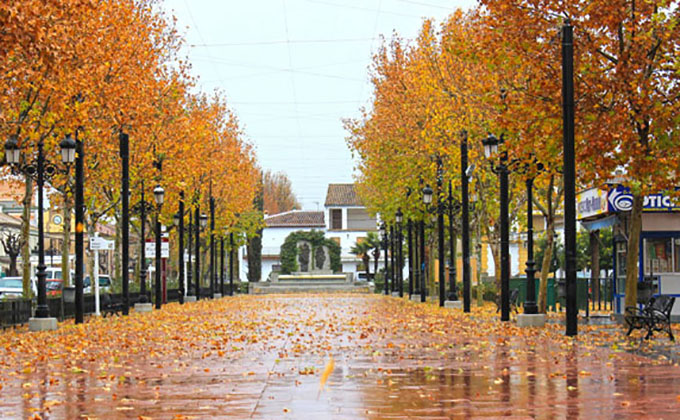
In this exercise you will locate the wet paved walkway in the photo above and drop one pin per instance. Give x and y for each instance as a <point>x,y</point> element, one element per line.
<point>263,357</point>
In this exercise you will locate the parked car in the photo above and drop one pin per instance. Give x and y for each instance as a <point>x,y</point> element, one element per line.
<point>53,273</point>
<point>11,288</point>
<point>54,287</point>
<point>104,284</point>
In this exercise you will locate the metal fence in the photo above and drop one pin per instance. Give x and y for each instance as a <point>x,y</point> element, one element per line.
<point>17,311</point>
<point>591,295</point>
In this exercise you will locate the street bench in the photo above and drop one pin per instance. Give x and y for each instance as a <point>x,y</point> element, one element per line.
<point>513,299</point>
<point>655,315</point>
<point>110,306</point>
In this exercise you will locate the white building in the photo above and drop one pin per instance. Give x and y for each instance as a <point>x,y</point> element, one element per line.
<point>277,228</point>
<point>344,220</point>
<point>347,222</point>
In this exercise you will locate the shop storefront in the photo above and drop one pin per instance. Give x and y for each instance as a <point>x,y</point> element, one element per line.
<point>659,246</point>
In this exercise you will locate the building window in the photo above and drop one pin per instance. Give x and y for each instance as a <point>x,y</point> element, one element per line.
<point>336,219</point>
<point>659,255</point>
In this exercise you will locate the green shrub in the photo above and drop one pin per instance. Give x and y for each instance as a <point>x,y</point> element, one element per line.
<point>289,250</point>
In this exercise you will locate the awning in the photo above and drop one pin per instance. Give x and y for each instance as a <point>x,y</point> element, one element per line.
<point>599,223</point>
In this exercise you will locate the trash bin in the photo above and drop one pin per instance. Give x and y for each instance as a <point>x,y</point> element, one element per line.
<point>647,288</point>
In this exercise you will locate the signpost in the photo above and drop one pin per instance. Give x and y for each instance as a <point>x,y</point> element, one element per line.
<point>98,244</point>
<point>150,249</point>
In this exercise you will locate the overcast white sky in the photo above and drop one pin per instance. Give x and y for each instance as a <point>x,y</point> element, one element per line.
<point>292,69</point>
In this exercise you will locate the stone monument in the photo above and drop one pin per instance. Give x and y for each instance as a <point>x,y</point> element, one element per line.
<point>315,275</point>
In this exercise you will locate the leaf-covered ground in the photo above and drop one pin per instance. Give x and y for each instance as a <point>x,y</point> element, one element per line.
<point>377,357</point>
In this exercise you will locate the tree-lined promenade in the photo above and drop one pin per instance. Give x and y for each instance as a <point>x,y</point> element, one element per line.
<point>266,357</point>
<point>496,73</point>
<point>98,72</point>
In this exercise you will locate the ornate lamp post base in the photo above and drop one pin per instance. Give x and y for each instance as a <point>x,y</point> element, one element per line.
<point>189,298</point>
<point>455,304</point>
<point>530,320</point>
<point>143,307</point>
<point>42,324</point>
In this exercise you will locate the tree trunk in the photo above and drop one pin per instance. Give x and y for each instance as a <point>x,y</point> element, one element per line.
<point>633,250</point>
<point>26,236</point>
<point>367,263</point>
<point>12,271</point>
<point>376,260</point>
<point>545,266</point>
<point>595,264</point>
<point>66,244</point>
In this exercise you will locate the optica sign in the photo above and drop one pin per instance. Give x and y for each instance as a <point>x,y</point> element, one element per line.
<point>619,198</point>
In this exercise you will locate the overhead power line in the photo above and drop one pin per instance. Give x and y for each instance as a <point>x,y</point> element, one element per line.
<point>282,41</point>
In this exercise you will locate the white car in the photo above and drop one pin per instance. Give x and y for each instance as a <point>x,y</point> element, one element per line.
<point>104,284</point>
<point>12,287</point>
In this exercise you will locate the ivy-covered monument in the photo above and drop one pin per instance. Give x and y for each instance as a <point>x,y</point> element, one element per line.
<point>310,262</point>
<point>310,252</point>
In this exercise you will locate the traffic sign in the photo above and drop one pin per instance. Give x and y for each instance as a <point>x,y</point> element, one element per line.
<point>100,244</point>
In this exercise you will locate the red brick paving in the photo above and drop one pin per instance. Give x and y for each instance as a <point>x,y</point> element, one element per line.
<point>393,360</point>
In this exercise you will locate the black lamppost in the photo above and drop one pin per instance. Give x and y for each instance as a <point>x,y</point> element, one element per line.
<point>530,306</point>
<point>427,199</point>
<point>158,195</point>
<point>383,231</point>
<point>222,265</point>
<point>399,217</point>
<point>452,207</point>
<point>190,230</point>
<point>393,262</point>
<point>39,169</point>
<point>569,176</point>
<point>178,220</point>
<point>124,141</point>
<point>142,207</point>
<point>466,172</point>
<point>201,222</point>
<point>490,150</point>
<point>231,263</point>
<point>213,262</point>
<point>197,250</point>
<point>422,261</point>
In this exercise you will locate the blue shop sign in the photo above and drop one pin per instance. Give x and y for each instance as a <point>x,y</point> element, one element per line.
<point>619,198</point>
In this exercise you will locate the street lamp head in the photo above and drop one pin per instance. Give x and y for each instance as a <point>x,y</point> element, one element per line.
<point>175,219</point>
<point>427,194</point>
<point>490,146</point>
<point>159,194</point>
<point>203,220</point>
<point>68,149</point>
<point>12,150</point>
<point>399,216</point>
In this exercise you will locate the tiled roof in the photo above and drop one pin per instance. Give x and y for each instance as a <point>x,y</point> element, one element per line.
<point>342,195</point>
<point>296,218</point>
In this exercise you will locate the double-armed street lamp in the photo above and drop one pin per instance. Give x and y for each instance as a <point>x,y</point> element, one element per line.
<point>530,306</point>
<point>158,195</point>
<point>439,208</point>
<point>142,207</point>
<point>39,170</point>
<point>200,222</point>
